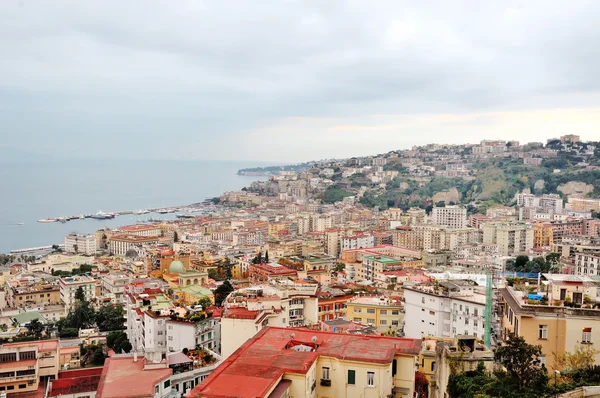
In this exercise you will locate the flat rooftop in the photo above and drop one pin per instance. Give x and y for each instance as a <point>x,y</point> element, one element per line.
<point>124,378</point>
<point>256,367</point>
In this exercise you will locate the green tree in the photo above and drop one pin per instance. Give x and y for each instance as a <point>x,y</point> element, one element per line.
<point>222,291</point>
<point>266,256</point>
<point>35,327</point>
<point>118,342</point>
<point>520,262</point>
<point>110,317</point>
<point>83,316</point>
<point>79,294</point>
<point>204,302</point>
<point>521,361</point>
<point>67,333</point>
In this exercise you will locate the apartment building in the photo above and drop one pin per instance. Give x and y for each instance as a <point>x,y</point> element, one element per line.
<point>119,244</point>
<point>249,310</point>
<point>113,287</point>
<point>513,237</point>
<point>450,216</point>
<point>427,237</point>
<point>69,285</point>
<point>555,328</point>
<point>307,363</point>
<point>357,242</point>
<point>581,205</point>
<point>23,294</point>
<point>384,313</point>
<point>332,305</point>
<point>552,202</point>
<point>444,309</point>
<point>587,264</point>
<point>80,244</point>
<point>24,364</point>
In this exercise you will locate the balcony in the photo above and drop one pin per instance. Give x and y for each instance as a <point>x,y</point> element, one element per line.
<point>18,378</point>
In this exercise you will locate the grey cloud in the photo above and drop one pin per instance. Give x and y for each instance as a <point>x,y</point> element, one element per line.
<point>211,70</point>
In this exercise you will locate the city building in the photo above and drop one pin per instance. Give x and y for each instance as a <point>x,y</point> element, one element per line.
<point>384,313</point>
<point>555,327</point>
<point>80,244</point>
<point>300,362</point>
<point>69,285</point>
<point>451,216</point>
<point>512,238</point>
<point>25,364</point>
<point>444,309</point>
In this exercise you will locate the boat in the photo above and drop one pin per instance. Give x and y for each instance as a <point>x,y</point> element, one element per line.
<point>144,211</point>
<point>48,220</point>
<point>102,216</point>
<point>62,219</point>
<point>20,223</point>
<point>81,217</point>
<point>162,211</point>
<point>183,215</point>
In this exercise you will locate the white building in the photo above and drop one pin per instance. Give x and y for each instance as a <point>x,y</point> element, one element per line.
<point>551,202</point>
<point>69,285</point>
<point>357,242</point>
<point>80,243</point>
<point>249,310</point>
<point>444,310</point>
<point>113,287</point>
<point>587,264</point>
<point>451,216</point>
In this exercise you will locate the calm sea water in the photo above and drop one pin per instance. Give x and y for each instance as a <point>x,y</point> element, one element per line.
<point>31,191</point>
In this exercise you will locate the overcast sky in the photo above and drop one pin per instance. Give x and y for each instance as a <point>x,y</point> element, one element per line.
<point>290,81</point>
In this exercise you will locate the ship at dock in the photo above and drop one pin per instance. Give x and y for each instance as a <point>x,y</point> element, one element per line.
<point>102,216</point>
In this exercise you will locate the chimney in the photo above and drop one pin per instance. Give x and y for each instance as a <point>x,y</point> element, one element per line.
<point>135,356</point>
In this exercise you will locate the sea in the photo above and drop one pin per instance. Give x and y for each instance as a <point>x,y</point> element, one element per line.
<point>33,190</point>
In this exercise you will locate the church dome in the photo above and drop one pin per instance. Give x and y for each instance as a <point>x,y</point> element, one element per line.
<point>176,267</point>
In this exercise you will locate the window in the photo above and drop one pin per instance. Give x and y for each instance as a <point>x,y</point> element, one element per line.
<point>357,319</point>
<point>371,321</point>
<point>586,337</point>
<point>383,322</point>
<point>21,386</point>
<point>543,332</point>
<point>325,373</point>
<point>371,379</point>
<point>167,384</point>
<point>460,307</point>
<point>170,338</point>
<point>467,309</point>
<point>542,360</point>
<point>433,366</point>
<point>358,310</point>
<point>422,300</point>
<point>466,321</point>
<point>394,323</point>
<point>370,311</point>
<point>351,377</point>
<point>383,312</point>
<point>156,389</point>
<point>431,312</point>
<point>475,323</point>
<point>160,332</point>
<point>320,309</point>
<point>475,312</point>
<point>394,312</point>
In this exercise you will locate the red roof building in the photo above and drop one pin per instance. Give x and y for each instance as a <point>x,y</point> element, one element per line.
<point>280,361</point>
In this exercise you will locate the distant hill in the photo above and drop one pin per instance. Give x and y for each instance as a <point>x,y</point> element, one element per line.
<point>273,170</point>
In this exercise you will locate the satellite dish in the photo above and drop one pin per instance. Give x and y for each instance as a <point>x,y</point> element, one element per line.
<point>313,339</point>
<point>292,335</point>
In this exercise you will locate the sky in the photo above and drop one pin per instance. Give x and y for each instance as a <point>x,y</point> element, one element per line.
<point>290,81</point>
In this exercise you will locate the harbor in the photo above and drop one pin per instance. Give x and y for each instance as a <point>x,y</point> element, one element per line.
<point>187,211</point>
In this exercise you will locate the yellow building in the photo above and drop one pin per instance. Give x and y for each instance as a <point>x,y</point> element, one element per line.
<point>555,327</point>
<point>542,235</point>
<point>31,295</point>
<point>384,313</point>
<point>25,363</point>
<point>307,363</point>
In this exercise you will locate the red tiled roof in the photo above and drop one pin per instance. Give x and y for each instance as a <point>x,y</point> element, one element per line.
<point>256,366</point>
<point>118,374</point>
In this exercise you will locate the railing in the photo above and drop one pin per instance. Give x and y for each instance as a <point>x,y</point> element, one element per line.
<point>15,378</point>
